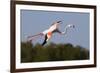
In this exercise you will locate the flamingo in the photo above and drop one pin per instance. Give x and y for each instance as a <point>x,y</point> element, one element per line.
<point>51,30</point>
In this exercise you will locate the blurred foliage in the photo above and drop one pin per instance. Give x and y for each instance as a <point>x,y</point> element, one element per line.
<point>52,52</point>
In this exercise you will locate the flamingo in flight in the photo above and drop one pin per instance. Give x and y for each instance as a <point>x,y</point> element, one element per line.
<point>51,30</point>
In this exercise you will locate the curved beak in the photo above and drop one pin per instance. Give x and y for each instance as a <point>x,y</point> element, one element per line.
<point>73,26</point>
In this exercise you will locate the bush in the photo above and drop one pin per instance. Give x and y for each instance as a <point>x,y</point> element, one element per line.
<point>52,52</point>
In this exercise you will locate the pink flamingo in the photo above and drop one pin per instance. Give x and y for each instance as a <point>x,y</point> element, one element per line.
<point>48,33</point>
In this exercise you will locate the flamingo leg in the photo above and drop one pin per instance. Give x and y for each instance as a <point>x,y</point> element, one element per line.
<point>30,38</point>
<point>47,37</point>
<point>34,35</point>
<point>45,41</point>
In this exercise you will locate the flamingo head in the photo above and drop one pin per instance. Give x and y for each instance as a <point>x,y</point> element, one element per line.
<point>71,26</point>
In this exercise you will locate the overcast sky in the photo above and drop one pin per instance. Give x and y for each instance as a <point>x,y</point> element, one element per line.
<point>33,22</point>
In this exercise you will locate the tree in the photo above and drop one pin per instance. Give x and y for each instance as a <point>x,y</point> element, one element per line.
<point>52,52</point>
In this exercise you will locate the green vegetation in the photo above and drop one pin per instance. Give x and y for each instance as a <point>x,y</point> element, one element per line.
<point>52,52</point>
